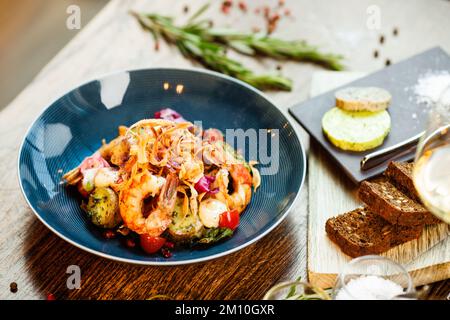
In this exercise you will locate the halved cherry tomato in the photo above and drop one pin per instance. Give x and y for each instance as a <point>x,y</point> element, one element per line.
<point>229,219</point>
<point>81,190</point>
<point>151,244</point>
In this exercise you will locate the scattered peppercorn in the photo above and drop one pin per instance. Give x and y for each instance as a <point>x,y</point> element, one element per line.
<point>166,253</point>
<point>210,23</point>
<point>109,234</point>
<point>375,54</point>
<point>279,67</point>
<point>51,297</point>
<point>13,287</point>
<point>381,39</point>
<point>388,62</point>
<point>186,9</point>
<point>395,32</point>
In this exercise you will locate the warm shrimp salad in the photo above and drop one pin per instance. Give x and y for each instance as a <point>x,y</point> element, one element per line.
<point>164,181</point>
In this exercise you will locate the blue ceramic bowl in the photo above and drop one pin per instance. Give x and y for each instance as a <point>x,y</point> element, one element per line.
<point>73,127</point>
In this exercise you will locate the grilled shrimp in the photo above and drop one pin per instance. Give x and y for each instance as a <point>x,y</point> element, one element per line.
<point>132,198</point>
<point>241,183</point>
<point>117,151</point>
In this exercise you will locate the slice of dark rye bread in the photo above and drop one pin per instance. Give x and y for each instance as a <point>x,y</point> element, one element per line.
<point>400,174</point>
<point>362,232</point>
<point>384,199</point>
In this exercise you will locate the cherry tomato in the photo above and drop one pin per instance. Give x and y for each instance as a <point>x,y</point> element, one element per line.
<point>229,219</point>
<point>81,190</point>
<point>151,244</point>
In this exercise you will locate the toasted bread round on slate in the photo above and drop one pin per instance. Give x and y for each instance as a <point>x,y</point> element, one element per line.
<point>363,99</point>
<point>356,130</point>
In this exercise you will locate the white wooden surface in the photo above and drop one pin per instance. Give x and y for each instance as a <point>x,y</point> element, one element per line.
<point>113,41</point>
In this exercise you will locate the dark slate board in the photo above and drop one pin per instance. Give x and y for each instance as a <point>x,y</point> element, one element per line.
<point>408,117</point>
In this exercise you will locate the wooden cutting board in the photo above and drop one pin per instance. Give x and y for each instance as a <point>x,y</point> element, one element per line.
<point>332,193</point>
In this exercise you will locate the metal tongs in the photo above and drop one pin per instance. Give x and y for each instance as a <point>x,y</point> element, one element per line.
<point>397,150</point>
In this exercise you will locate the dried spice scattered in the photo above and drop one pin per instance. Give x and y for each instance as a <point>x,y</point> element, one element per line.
<point>256,29</point>
<point>243,6</point>
<point>13,287</point>
<point>272,23</point>
<point>279,67</point>
<point>388,62</point>
<point>381,39</point>
<point>375,54</point>
<point>395,32</point>
<point>226,6</point>
<point>186,9</point>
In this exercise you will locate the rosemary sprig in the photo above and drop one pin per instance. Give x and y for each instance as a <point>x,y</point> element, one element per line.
<point>196,40</point>
<point>210,54</point>
<point>260,44</point>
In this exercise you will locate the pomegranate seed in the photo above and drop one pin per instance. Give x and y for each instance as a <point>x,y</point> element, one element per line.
<point>169,245</point>
<point>166,253</point>
<point>51,297</point>
<point>109,234</point>
<point>130,243</point>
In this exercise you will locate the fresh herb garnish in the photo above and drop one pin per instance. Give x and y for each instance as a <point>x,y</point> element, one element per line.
<point>197,40</point>
<point>214,235</point>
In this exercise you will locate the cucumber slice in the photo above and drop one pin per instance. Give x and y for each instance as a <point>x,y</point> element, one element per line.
<point>356,130</point>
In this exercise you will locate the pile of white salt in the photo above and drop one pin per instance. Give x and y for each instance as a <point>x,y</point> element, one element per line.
<point>369,288</point>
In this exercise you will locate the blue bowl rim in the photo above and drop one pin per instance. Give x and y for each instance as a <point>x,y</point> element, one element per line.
<point>166,263</point>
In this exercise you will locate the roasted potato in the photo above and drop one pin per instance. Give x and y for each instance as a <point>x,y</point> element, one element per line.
<point>103,208</point>
<point>184,227</point>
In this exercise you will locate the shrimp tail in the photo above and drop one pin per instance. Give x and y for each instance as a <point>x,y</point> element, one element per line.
<point>168,195</point>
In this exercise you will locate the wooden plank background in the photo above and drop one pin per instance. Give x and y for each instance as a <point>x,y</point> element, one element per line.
<point>37,260</point>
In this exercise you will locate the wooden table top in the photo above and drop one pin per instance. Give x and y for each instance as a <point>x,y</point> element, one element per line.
<point>37,260</point>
